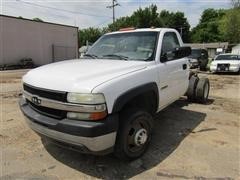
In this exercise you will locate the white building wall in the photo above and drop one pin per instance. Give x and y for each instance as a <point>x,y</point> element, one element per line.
<point>236,49</point>
<point>21,38</point>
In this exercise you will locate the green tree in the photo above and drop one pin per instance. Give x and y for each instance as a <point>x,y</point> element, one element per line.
<point>38,19</point>
<point>209,27</point>
<point>89,34</point>
<point>231,27</point>
<point>149,17</point>
<point>177,21</point>
<point>141,18</point>
<point>121,23</point>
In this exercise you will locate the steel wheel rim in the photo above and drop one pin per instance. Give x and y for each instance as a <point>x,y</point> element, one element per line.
<point>138,132</point>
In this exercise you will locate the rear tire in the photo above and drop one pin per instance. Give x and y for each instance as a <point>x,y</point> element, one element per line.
<point>134,134</point>
<point>202,90</point>
<point>191,93</point>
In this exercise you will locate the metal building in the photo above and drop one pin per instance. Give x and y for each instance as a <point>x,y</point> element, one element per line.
<point>236,49</point>
<point>212,48</point>
<point>43,42</point>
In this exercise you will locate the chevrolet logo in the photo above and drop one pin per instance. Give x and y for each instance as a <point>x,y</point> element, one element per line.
<point>36,100</point>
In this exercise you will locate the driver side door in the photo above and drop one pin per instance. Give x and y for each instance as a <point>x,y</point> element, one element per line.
<point>173,73</point>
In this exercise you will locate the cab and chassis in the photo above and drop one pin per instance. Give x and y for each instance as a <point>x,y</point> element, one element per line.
<point>105,102</point>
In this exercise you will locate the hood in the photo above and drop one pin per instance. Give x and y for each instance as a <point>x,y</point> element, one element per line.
<point>215,62</point>
<point>79,75</point>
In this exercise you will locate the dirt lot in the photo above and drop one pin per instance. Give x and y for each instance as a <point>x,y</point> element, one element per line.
<point>190,141</point>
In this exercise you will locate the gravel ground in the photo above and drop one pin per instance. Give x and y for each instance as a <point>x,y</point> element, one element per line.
<point>190,141</point>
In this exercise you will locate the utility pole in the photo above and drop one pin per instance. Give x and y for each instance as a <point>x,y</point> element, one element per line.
<point>181,31</point>
<point>114,4</point>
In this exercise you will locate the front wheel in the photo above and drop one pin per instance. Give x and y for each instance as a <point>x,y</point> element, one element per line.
<point>134,134</point>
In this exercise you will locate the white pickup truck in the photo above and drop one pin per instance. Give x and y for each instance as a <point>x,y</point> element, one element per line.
<point>105,102</point>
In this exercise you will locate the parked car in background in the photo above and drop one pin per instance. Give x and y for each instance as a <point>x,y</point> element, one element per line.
<point>199,58</point>
<point>226,63</point>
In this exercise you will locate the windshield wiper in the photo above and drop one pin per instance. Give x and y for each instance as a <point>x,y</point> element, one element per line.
<point>91,55</point>
<point>115,55</point>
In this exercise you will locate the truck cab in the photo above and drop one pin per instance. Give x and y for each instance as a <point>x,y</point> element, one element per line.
<point>105,102</point>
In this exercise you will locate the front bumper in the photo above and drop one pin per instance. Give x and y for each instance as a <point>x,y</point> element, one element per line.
<point>231,69</point>
<point>95,137</point>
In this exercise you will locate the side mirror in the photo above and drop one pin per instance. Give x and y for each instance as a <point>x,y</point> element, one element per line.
<point>182,52</point>
<point>177,53</point>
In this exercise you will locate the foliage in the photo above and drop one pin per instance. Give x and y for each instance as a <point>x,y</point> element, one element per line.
<point>232,25</point>
<point>149,17</point>
<point>209,27</point>
<point>38,19</point>
<point>215,25</point>
<point>141,18</point>
<point>218,25</point>
<point>177,21</point>
<point>89,34</point>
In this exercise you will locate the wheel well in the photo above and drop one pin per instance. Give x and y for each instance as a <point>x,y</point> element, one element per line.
<point>147,101</point>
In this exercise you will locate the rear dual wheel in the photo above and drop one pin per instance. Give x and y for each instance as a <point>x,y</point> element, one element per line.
<point>202,90</point>
<point>198,89</point>
<point>191,94</point>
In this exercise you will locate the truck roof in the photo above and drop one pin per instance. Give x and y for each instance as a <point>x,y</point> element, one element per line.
<point>125,30</point>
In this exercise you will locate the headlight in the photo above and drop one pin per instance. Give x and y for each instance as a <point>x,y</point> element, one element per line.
<point>82,98</point>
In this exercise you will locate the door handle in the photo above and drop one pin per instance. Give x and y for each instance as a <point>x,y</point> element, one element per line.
<point>184,66</point>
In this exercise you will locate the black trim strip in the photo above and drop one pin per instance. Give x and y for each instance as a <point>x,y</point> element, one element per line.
<point>124,98</point>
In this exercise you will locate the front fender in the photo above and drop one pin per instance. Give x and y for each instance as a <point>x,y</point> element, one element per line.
<point>132,93</point>
<point>128,85</point>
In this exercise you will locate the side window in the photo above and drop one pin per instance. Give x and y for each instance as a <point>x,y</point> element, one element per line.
<point>170,42</point>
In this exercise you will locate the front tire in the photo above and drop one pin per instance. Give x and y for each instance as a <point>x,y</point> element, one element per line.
<point>134,134</point>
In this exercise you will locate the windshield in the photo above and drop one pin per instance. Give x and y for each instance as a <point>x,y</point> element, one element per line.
<point>196,53</point>
<point>228,57</point>
<point>128,46</point>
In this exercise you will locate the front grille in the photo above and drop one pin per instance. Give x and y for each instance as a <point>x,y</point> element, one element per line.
<point>54,113</point>
<point>46,93</point>
<point>223,67</point>
<point>49,94</point>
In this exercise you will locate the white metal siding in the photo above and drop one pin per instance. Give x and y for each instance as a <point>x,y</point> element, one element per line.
<point>21,38</point>
<point>236,49</point>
